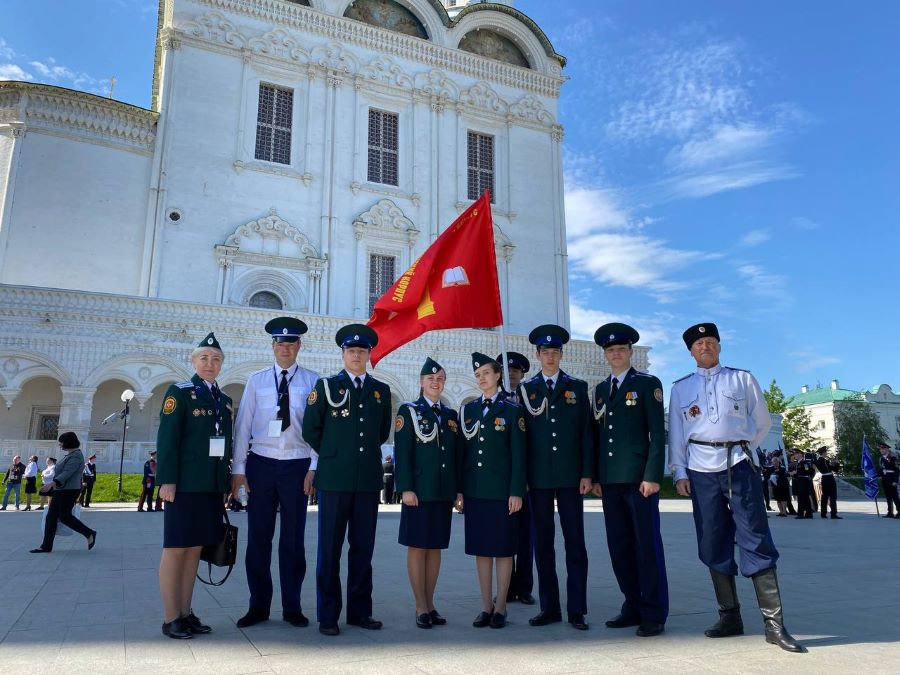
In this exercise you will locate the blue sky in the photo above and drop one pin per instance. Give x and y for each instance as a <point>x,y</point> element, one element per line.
<point>731,161</point>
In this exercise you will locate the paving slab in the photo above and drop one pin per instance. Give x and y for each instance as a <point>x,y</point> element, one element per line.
<point>99,612</point>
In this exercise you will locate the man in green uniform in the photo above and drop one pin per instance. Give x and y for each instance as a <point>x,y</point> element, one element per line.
<point>628,409</point>
<point>348,416</point>
<point>560,468</point>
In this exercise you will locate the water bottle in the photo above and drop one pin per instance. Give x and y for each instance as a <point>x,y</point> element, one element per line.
<point>242,496</point>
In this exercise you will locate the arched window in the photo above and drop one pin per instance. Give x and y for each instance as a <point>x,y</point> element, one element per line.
<point>265,300</point>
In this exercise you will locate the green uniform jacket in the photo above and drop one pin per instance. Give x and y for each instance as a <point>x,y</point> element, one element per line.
<point>431,469</point>
<point>494,458</point>
<point>186,423</point>
<point>631,434</point>
<point>560,440</point>
<point>348,435</point>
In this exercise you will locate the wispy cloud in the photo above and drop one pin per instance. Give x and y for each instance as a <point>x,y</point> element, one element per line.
<point>754,238</point>
<point>767,285</point>
<point>47,71</point>
<point>10,71</point>
<point>804,223</point>
<point>733,177</point>
<point>806,360</point>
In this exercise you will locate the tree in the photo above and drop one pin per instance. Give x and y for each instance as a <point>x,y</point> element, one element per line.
<point>853,420</point>
<point>796,429</point>
<point>775,400</point>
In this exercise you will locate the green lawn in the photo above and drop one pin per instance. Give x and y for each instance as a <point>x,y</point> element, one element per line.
<point>666,490</point>
<point>105,488</point>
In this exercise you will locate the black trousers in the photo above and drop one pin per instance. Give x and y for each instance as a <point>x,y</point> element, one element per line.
<point>766,495</point>
<point>146,493</point>
<point>522,580</point>
<point>60,511</point>
<point>803,491</point>
<point>829,495</point>
<point>890,494</point>
<point>87,489</point>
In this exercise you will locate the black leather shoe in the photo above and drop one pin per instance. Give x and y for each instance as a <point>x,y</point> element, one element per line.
<point>510,597</point>
<point>296,619</point>
<point>836,517</point>
<point>39,550</point>
<point>526,598</point>
<point>578,622</point>
<point>252,617</point>
<point>437,619</point>
<point>329,629</point>
<point>194,624</point>
<point>649,629</point>
<point>483,619</point>
<point>498,620</point>
<point>177,629</point>
<point>423,620</point>
<point>91,540</point>
<point>366,622</point>
<point>622,621</point>
<point>545,619</point>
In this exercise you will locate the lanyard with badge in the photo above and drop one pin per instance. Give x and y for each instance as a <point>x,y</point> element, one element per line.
<point>216,442</point>
<point>275,424</point>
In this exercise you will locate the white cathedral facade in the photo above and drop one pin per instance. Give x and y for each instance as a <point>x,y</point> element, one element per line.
<point>297,157</point>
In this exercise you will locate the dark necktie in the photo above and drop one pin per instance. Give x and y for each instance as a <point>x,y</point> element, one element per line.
<point>614,389</point>
<point>550,385</point>
<point>215,392</point>
<point>487,406</point>
<point>284,402</point>
<point>358,382</point>
<point>437,411</point>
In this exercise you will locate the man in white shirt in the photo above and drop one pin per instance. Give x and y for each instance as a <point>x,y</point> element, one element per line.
<point>716,416</point>
<point>276,466</point>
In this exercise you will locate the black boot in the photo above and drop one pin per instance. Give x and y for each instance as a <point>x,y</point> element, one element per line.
<point>769,598</point>
<point>730,622</point>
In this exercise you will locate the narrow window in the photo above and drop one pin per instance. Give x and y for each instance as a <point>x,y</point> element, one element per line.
<point>383,147</point>
<point>273,124</point>
<point>480,154</point>
<point>381,277</point>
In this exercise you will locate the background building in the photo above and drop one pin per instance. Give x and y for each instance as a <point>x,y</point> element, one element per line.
<point>297,157</point>
<point>820,404</point>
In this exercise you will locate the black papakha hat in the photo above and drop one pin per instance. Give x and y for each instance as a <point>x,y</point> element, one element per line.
<point>701,330</point>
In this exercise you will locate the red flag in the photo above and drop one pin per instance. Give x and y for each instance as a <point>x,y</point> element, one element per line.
<point>452,285</point>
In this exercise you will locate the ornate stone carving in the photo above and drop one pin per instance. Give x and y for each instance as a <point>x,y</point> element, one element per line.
<point>436,84</point>
<point>278,43</point>
<point>530,109</point>
<point>385,71</point>
<point>334,59</point>
<point>481,95</point>
<point>214,27</point>
<point>387,14</point>
<point>271,227</point>
<point>384,215</point>
<point>557,133</point>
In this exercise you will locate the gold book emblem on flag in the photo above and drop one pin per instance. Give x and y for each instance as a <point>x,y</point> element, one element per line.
<point>454,276</point>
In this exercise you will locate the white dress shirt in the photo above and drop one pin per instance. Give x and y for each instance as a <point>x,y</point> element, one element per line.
<point>30,470</point>
<point>714,404</point>
<point>553,378</point>
<point>259,406</point>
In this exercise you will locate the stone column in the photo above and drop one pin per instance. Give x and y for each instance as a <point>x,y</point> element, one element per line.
<point>75,411</point>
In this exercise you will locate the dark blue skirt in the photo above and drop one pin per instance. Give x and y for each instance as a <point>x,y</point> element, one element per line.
<point>193,519</point>
<point>490,530</point>
<point>426,525</point>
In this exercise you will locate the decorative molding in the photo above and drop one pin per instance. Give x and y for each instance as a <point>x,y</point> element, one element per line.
<point>378,189</point>
<point>279,44</point>
<point>384,71</point>
<point>481,95</point>
<point>435,84</point>
<point>385,215</point>
<point>271,228</point>
<point>530,109</point>
<point>213,27</point>
<point>89,117</point>
<point>240,165</point>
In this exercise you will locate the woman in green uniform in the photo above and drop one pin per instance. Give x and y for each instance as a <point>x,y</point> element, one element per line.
<point>493,431</point>
<point>426,473</point>
<point>194,448</point>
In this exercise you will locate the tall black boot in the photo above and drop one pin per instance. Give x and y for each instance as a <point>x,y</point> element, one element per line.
<point>769,598</point>
<point>730,622</point>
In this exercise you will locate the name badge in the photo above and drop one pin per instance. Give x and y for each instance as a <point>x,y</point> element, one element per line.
<point>274,428</point>
<point>216,446</point>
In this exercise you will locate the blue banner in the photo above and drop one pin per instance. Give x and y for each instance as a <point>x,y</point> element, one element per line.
<point>869,472</point>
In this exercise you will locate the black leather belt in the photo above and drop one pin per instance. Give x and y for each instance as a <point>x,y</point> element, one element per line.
<point>728,445</point>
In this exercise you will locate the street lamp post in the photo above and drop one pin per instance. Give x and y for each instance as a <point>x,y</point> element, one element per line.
<point>126,397</point>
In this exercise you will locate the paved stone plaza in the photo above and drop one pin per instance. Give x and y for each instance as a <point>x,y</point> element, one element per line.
<point>99,611</point>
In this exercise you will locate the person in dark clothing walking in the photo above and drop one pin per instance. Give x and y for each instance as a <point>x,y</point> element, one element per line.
<point>826,468</point>
<point>88,478</point>
<point>889,474</point>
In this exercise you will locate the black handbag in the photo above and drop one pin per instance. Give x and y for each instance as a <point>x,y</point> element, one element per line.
<point>223,554</point>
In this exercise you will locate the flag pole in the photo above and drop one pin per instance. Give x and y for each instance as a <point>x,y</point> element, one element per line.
<point>503,353</point>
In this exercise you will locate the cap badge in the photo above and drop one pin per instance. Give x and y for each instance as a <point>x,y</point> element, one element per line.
<point>612,336</point>
<point>356,337</point>
<point>284,331</point>
<point>209,341</point>
<point>548,338</point>
<point>433,369</point>
<point>702,329</point>
<point>477,365</point>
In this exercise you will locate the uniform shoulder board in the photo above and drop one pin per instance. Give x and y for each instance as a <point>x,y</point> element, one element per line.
<point>682,378</point>
<point>506,401</point>
<point>574,379</point>
<point>641,373</point>
<point>741,370</point>
<point>535,379</point>
<point>184,385</point>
